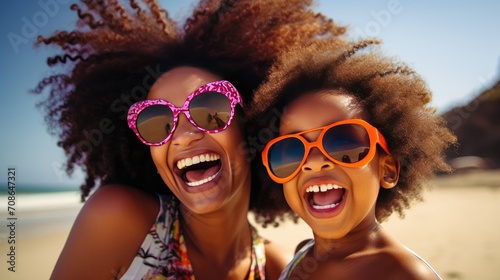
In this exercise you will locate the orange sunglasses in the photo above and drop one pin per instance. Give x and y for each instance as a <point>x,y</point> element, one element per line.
<point>350,143</point>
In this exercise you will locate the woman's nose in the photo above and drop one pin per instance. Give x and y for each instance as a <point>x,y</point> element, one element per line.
<point>185,132</point>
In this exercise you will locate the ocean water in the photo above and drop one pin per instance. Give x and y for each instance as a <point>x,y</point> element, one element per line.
<point>38,210</point>
<point>37,198</point>
<point>22,188</point>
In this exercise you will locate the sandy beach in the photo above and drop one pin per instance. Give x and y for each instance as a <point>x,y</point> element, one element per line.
<point>455,229</point>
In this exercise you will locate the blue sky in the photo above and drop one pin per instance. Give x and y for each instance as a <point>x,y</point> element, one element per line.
<point>454,45</point>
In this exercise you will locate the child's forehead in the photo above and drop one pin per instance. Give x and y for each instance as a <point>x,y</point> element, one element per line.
<point>319,108</point>
<point>323,101</point>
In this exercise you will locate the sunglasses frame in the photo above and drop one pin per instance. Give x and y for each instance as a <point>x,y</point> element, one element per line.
<point>373,134</point>
<point>224,87</point>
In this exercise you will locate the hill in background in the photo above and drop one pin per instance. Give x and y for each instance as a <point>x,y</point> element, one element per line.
<point>477,127</point>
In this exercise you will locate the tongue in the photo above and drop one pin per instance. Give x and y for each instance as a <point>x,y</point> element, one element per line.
<point>196,175</point>
<point>327,198</point>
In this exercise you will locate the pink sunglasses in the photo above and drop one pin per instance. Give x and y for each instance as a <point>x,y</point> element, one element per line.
<point>210,109</point>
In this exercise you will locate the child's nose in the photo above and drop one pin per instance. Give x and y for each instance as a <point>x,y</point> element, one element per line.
<point>316,161</point>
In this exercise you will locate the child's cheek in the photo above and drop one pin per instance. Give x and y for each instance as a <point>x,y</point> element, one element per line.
<point>367,176</point>
<point>292,195</point>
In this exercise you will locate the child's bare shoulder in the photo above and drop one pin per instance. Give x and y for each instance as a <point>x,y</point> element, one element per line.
<point>395,262</point>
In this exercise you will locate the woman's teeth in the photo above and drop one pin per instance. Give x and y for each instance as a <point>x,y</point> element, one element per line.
<point>201,182</point>
<point>185,162</point>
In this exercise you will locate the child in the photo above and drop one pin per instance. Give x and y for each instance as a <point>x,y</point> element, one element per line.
<point>357,143</point>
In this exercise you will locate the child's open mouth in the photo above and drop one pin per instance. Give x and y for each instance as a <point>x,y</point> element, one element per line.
<point>324,196</point>
<point>199,169</point>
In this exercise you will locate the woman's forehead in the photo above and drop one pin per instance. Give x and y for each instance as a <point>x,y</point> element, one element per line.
<point>180,82</point>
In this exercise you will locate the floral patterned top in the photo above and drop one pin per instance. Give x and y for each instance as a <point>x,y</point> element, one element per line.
<point>163,253</point>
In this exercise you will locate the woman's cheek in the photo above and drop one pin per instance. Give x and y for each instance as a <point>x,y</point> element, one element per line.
<point>159,156</point>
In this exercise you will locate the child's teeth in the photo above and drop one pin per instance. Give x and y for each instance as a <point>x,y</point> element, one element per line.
<point>321,207</point>
<point>322,188</point>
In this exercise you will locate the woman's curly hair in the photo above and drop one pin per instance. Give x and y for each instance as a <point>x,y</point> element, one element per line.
<point>395,100</point>
<point>117,51</point>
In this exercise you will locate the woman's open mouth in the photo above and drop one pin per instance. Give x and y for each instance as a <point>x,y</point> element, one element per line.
<point>200,169</point>
<point>324,197</point>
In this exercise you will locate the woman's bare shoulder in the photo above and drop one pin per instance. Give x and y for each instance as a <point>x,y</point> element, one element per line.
<point>116,195</point>
<point>107,233</point>
<point>120,203</point>
<point>113,208</point>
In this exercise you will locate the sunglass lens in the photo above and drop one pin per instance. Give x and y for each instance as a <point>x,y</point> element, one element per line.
<point>347,143</point>
<point>155,123</point>
<point>210,110</point>
<point>285,156</point>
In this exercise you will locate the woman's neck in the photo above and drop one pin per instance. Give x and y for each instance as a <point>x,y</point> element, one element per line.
<point>223,236</point>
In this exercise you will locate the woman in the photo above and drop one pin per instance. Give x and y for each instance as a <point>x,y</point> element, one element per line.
<point>143,221</point>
